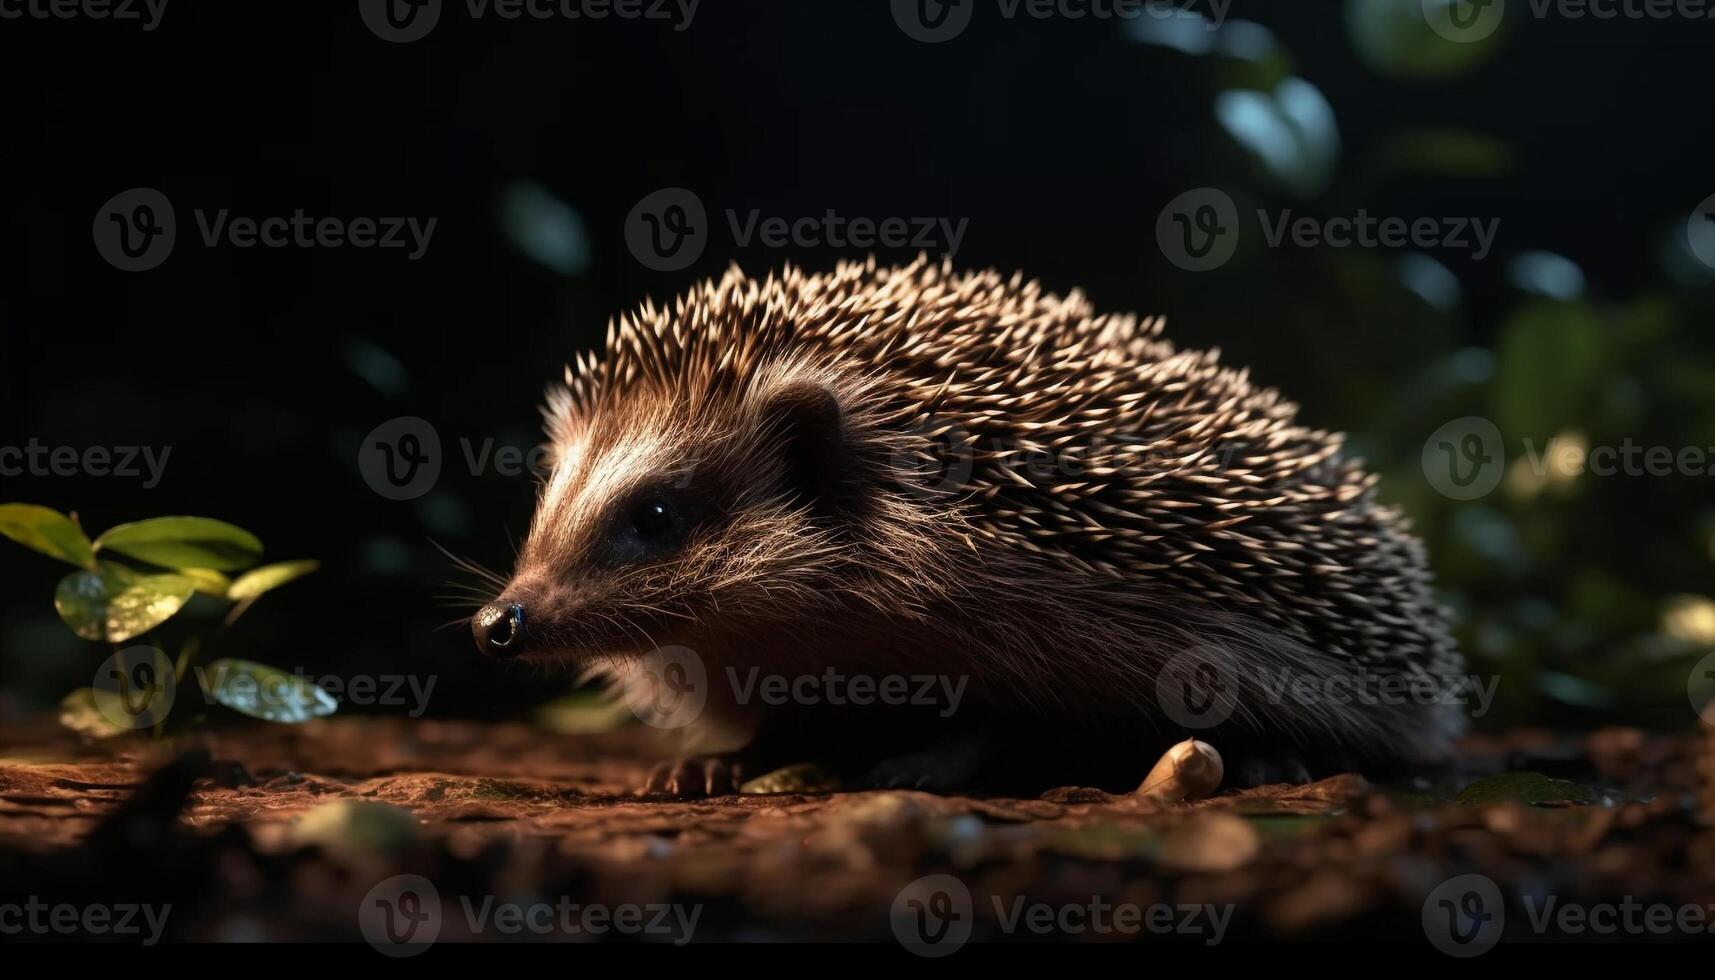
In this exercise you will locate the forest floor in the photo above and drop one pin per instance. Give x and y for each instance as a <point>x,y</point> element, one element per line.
<point>393,830</point>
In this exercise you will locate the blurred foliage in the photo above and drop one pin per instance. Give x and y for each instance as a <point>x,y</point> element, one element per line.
<point>1587,594</point>
<point>1579,585</point>
<point>1396,37</point>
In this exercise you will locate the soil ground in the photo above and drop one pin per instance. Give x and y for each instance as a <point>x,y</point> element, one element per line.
<point>278,832</point>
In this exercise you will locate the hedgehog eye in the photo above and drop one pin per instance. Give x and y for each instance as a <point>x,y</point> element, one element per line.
<point>652,517</point>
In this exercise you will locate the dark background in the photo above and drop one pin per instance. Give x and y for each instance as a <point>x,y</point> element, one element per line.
<point>1059,140</point>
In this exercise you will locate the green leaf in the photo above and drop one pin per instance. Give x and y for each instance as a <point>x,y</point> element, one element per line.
<point>1398,37</point>
<point>1549,357</point>
<point>586,712</point>
<point>264,692</point>
<point>1446,153</point>
<point>115,604</point>
<point>1526,787</point>
<point>208,581</point>
<point>48,531</point>
<point>358,829</point>
<point>80,713</point>
<point>269,577</point>
<point>185,542</point>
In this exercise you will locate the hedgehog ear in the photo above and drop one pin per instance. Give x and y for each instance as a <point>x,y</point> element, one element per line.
<point>808,429</point>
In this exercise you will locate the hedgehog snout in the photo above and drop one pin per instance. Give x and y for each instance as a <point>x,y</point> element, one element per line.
<point>499,629</point>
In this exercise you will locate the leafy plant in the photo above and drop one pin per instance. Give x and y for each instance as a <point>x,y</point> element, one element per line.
<point>134,577</point>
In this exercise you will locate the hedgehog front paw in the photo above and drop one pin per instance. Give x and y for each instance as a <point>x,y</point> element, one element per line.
<point>693,778</point>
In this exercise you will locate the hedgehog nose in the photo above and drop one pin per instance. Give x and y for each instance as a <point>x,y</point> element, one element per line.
<point>499,629</point>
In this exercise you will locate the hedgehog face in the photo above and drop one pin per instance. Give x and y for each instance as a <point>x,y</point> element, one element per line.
<point>676,518</point>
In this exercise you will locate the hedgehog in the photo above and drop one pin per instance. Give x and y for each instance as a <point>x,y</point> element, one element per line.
<point>1097,541</point>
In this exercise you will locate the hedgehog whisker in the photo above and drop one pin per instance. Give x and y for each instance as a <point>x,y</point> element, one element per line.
<point>460,602</point>
<point>470,565</point>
